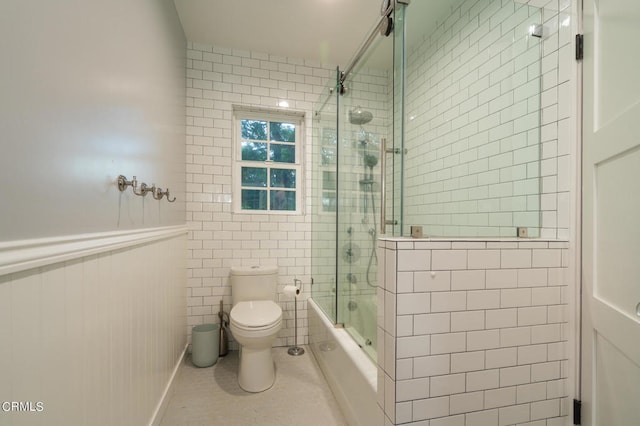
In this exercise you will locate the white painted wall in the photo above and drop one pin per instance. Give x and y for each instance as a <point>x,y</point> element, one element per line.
<point>95,339</point>
<point>89,90</point>
<point>90,328</point>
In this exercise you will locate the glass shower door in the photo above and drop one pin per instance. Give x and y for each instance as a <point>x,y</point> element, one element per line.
<point>324,201</point>
<point>365,124</point>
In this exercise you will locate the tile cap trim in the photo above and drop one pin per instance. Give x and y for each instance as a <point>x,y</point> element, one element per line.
<point>463,239</point>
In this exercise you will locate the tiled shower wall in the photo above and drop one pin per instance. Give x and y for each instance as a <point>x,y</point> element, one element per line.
<point>473,332</point>
<point>482,108</point>
<point>217,79</point>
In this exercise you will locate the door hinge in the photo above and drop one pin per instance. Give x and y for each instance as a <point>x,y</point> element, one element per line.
<point>577,415</point>
<point>579,46</point>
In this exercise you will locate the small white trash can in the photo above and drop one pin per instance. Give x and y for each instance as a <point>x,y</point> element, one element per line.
<point>205,344</point>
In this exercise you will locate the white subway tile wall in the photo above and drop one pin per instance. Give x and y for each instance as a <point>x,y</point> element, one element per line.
<point>489,118</point>
<point>486,348</point>
<point>469,332</point>
<point>218,78</point>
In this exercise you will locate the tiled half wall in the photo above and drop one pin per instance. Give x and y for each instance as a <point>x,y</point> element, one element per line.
<point>472,332</point>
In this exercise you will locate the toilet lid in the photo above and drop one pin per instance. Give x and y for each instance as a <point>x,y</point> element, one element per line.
<point>258,313</point>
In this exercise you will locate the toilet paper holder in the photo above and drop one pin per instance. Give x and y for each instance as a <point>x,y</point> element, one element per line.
<point>295,350</point>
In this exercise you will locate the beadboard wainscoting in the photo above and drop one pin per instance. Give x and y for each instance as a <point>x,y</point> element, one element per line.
<point>92,327</point>
<point>473,332</point>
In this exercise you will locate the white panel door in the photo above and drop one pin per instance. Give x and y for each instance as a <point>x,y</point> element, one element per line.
<point>611,214</point>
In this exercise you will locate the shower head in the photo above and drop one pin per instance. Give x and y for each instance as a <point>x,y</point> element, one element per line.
<point>370,160</point>
<point>359,116</point>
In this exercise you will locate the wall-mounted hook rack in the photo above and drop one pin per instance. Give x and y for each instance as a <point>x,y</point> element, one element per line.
<point>144,189</point>
<point>123,183</point>
<point>158,193</point>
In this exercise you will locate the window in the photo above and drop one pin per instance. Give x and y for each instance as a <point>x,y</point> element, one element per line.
<point>268,166</point>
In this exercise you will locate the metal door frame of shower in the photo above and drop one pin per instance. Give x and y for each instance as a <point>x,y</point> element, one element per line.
<point>386,27</point>
<point>384,22</point>
<point>336,89</point>
<point>395,9</point>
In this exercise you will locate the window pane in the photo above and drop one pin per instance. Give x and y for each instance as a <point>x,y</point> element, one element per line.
<point>283,178</point>
<point>254,151</point>
<point>253,129</point>
<point>253,199</point>
<point>283,132</point>
<point>283,200</point>
<point>254,176</point>
<point>283,153</point>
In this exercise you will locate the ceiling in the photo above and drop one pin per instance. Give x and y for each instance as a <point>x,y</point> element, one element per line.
<point>325,31</point>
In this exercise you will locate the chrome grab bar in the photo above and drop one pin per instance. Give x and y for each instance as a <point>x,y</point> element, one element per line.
<point>383,179</point>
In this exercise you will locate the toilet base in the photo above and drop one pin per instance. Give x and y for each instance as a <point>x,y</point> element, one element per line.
<point>256,372</point>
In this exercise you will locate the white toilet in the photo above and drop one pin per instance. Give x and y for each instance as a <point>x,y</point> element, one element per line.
<point>255,321</point>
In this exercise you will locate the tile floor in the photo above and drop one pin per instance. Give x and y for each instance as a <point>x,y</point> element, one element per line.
<point>211,396</point>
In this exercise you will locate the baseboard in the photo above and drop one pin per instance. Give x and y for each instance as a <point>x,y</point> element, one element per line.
<point>168,391</point>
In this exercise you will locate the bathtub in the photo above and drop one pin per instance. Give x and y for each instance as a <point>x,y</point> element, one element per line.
<point>363,325</point>
<point>350,373</point>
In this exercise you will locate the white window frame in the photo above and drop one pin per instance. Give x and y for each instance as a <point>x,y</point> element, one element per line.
<point>264,114</point>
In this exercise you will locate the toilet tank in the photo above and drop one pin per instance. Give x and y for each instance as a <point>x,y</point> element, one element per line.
<point>253,283</point>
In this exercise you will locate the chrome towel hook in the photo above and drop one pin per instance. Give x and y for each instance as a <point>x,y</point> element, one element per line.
<point>158,193</point>
<point>167,195</point>
<point>144,189</point>
<point>123,183</point>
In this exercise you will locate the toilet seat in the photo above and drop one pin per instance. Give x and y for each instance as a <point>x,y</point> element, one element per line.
<point>256,315</point>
